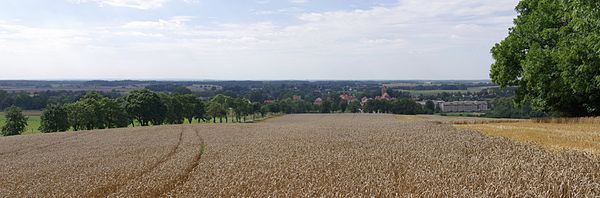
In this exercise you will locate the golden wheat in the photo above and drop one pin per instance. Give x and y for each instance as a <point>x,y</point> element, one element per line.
<point>344,155</point>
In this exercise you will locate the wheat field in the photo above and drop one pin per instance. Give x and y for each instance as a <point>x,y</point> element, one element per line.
<point>294,156</point>
<point>582,134</point>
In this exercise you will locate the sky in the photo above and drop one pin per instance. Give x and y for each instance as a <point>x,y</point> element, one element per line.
<point>251,39</point>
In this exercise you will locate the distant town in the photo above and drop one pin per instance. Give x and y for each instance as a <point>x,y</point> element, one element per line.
<point>470,97</point>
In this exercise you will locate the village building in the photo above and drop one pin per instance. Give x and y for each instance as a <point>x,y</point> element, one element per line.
<point>318,101</point>
<point>296,98</point>
<point>347,98</point>
<point>437,103</point>
<point>363,101</point>
<point>464,106</point>
<point>384,94</point>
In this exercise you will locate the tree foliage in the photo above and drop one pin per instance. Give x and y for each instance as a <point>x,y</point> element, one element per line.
<point>175,110</point>
<point>15,121</point>
<point>114,112</point>
<point>54,119</point>
<point>354,107</point>
<point>218,106</point>
<point>505,108</point>
<point>429,107</point>
<point>146,107</point>
<point>553,55</point>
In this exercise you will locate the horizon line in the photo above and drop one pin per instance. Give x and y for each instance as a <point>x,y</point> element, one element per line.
<point>217,80</point>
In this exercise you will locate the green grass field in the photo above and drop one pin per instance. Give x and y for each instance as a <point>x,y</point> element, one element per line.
<point>34,121</point>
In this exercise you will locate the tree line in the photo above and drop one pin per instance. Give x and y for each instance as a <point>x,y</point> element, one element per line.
<point>144,107</point>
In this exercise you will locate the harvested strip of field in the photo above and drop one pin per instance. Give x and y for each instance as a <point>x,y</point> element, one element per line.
<point>557,136</point>
<point>294,155</point>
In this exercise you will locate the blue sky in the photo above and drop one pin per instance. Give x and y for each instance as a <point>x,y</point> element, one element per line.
<point>250,40</point>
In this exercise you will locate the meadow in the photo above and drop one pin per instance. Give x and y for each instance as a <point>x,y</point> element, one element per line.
<point>34,121</point>
<point>303,155</point>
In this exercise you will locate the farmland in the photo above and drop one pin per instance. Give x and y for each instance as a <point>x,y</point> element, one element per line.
<point>294,155</point>
<point>560,135</point>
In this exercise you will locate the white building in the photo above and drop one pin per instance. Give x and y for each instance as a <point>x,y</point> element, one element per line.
<point>464,106</point>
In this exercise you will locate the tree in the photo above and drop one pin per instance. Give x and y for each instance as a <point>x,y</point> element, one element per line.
<point>200,111</point>
<point>192,107</point>
<point>429,107</point>
<point>216,110</point>
<point>325,106</point>
<point>115,115</point>
<point>241,108</point>
<point>505,108</point>
<point>256,108</point>
<point>175,113</point>
<point>218,107</point>
<point>55,118</point>
<point>354,107</point>
<point>182,90</point>
<point>146,107</point>
<point>343,106</point>
<point>92,111</point>
<point>82,115</point>
<point>75,116</point>
<point>405,106</point>
<point>551,55</point>
<point>378,106</point>
<point>264,110</point>
<point>15,121</point>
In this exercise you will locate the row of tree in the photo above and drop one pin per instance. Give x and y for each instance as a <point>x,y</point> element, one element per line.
<point>144,107</point>
<point>399,106</point>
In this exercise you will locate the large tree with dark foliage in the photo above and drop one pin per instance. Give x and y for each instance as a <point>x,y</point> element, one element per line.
<point>405,106</point>
<point>192,107</point>
<point>54,119</point>
<point>175,108</point>
<point>505,108</point>
<point>553,55</point>
<point>146,107</point>
<point>114,112</point>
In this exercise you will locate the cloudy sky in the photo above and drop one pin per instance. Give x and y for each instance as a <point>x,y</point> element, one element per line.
<point>250,39</point>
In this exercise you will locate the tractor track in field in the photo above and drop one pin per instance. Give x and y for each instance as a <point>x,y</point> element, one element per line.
<point>113,188</point>
<point>181,178</point>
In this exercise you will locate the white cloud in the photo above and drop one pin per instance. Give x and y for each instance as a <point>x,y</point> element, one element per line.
<point>413,39</point>
<point>138,4</point>
<point>172,23</point>
<point>298,1</point>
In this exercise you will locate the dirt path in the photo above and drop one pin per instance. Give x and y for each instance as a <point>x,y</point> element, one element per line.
<point>294,155</point>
